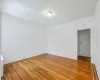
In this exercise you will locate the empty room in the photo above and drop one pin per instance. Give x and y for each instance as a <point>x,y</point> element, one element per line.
<point>50,39</point>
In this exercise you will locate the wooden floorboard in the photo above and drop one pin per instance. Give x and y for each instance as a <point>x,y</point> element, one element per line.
<point>95,75</point>
<point>48,67</point>
<point>84,58</point>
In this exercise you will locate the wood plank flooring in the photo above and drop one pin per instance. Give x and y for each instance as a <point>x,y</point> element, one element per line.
<point>48,67</point>
<point>84,58</point>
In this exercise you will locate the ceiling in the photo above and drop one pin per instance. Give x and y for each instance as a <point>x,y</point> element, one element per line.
<point>63,10</point>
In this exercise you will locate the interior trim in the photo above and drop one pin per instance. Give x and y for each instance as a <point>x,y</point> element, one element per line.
<point>94,71</point>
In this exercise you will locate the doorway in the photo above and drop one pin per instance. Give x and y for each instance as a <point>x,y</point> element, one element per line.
<point>84,41</point>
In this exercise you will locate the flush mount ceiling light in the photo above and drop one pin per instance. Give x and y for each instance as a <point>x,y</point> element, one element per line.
<point>49,13</point>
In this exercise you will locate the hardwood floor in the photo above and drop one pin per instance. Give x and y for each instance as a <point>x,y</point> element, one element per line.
<point>84,58</point>
<point>48,67</point>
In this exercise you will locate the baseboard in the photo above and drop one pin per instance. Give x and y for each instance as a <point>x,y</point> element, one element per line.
<point>94,72</point>
<point>98,72</point>
<point>24,59</point>
<point>64,56</point>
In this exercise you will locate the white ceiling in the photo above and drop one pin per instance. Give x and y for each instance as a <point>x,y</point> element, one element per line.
<point>63,10</point>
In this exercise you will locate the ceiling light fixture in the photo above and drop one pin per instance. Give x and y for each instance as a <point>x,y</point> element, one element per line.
<point>49,13</point>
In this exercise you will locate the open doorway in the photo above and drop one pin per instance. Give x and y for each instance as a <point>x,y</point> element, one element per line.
<point>84,41</point>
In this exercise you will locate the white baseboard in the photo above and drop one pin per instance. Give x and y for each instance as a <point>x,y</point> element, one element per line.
<point>1,66</point>
<point>98,72</point>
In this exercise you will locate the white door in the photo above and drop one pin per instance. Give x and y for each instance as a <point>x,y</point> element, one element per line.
<point>84,42</point>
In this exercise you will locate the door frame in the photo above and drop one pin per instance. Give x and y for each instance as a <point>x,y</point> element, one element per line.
<point>91,43</point>
<point>78,40</point>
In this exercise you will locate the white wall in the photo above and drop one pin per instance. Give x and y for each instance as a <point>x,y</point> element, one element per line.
<point>97,55</point>
<point>21,39</point>
<point>62,39</point>
<point>0,46</point>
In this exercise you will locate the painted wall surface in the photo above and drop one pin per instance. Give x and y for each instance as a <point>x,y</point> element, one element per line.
<point>0,46</point>
<point>62,39</point>
<point>0,42</point>
<point>97,55</point>
<point>21,39</point>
